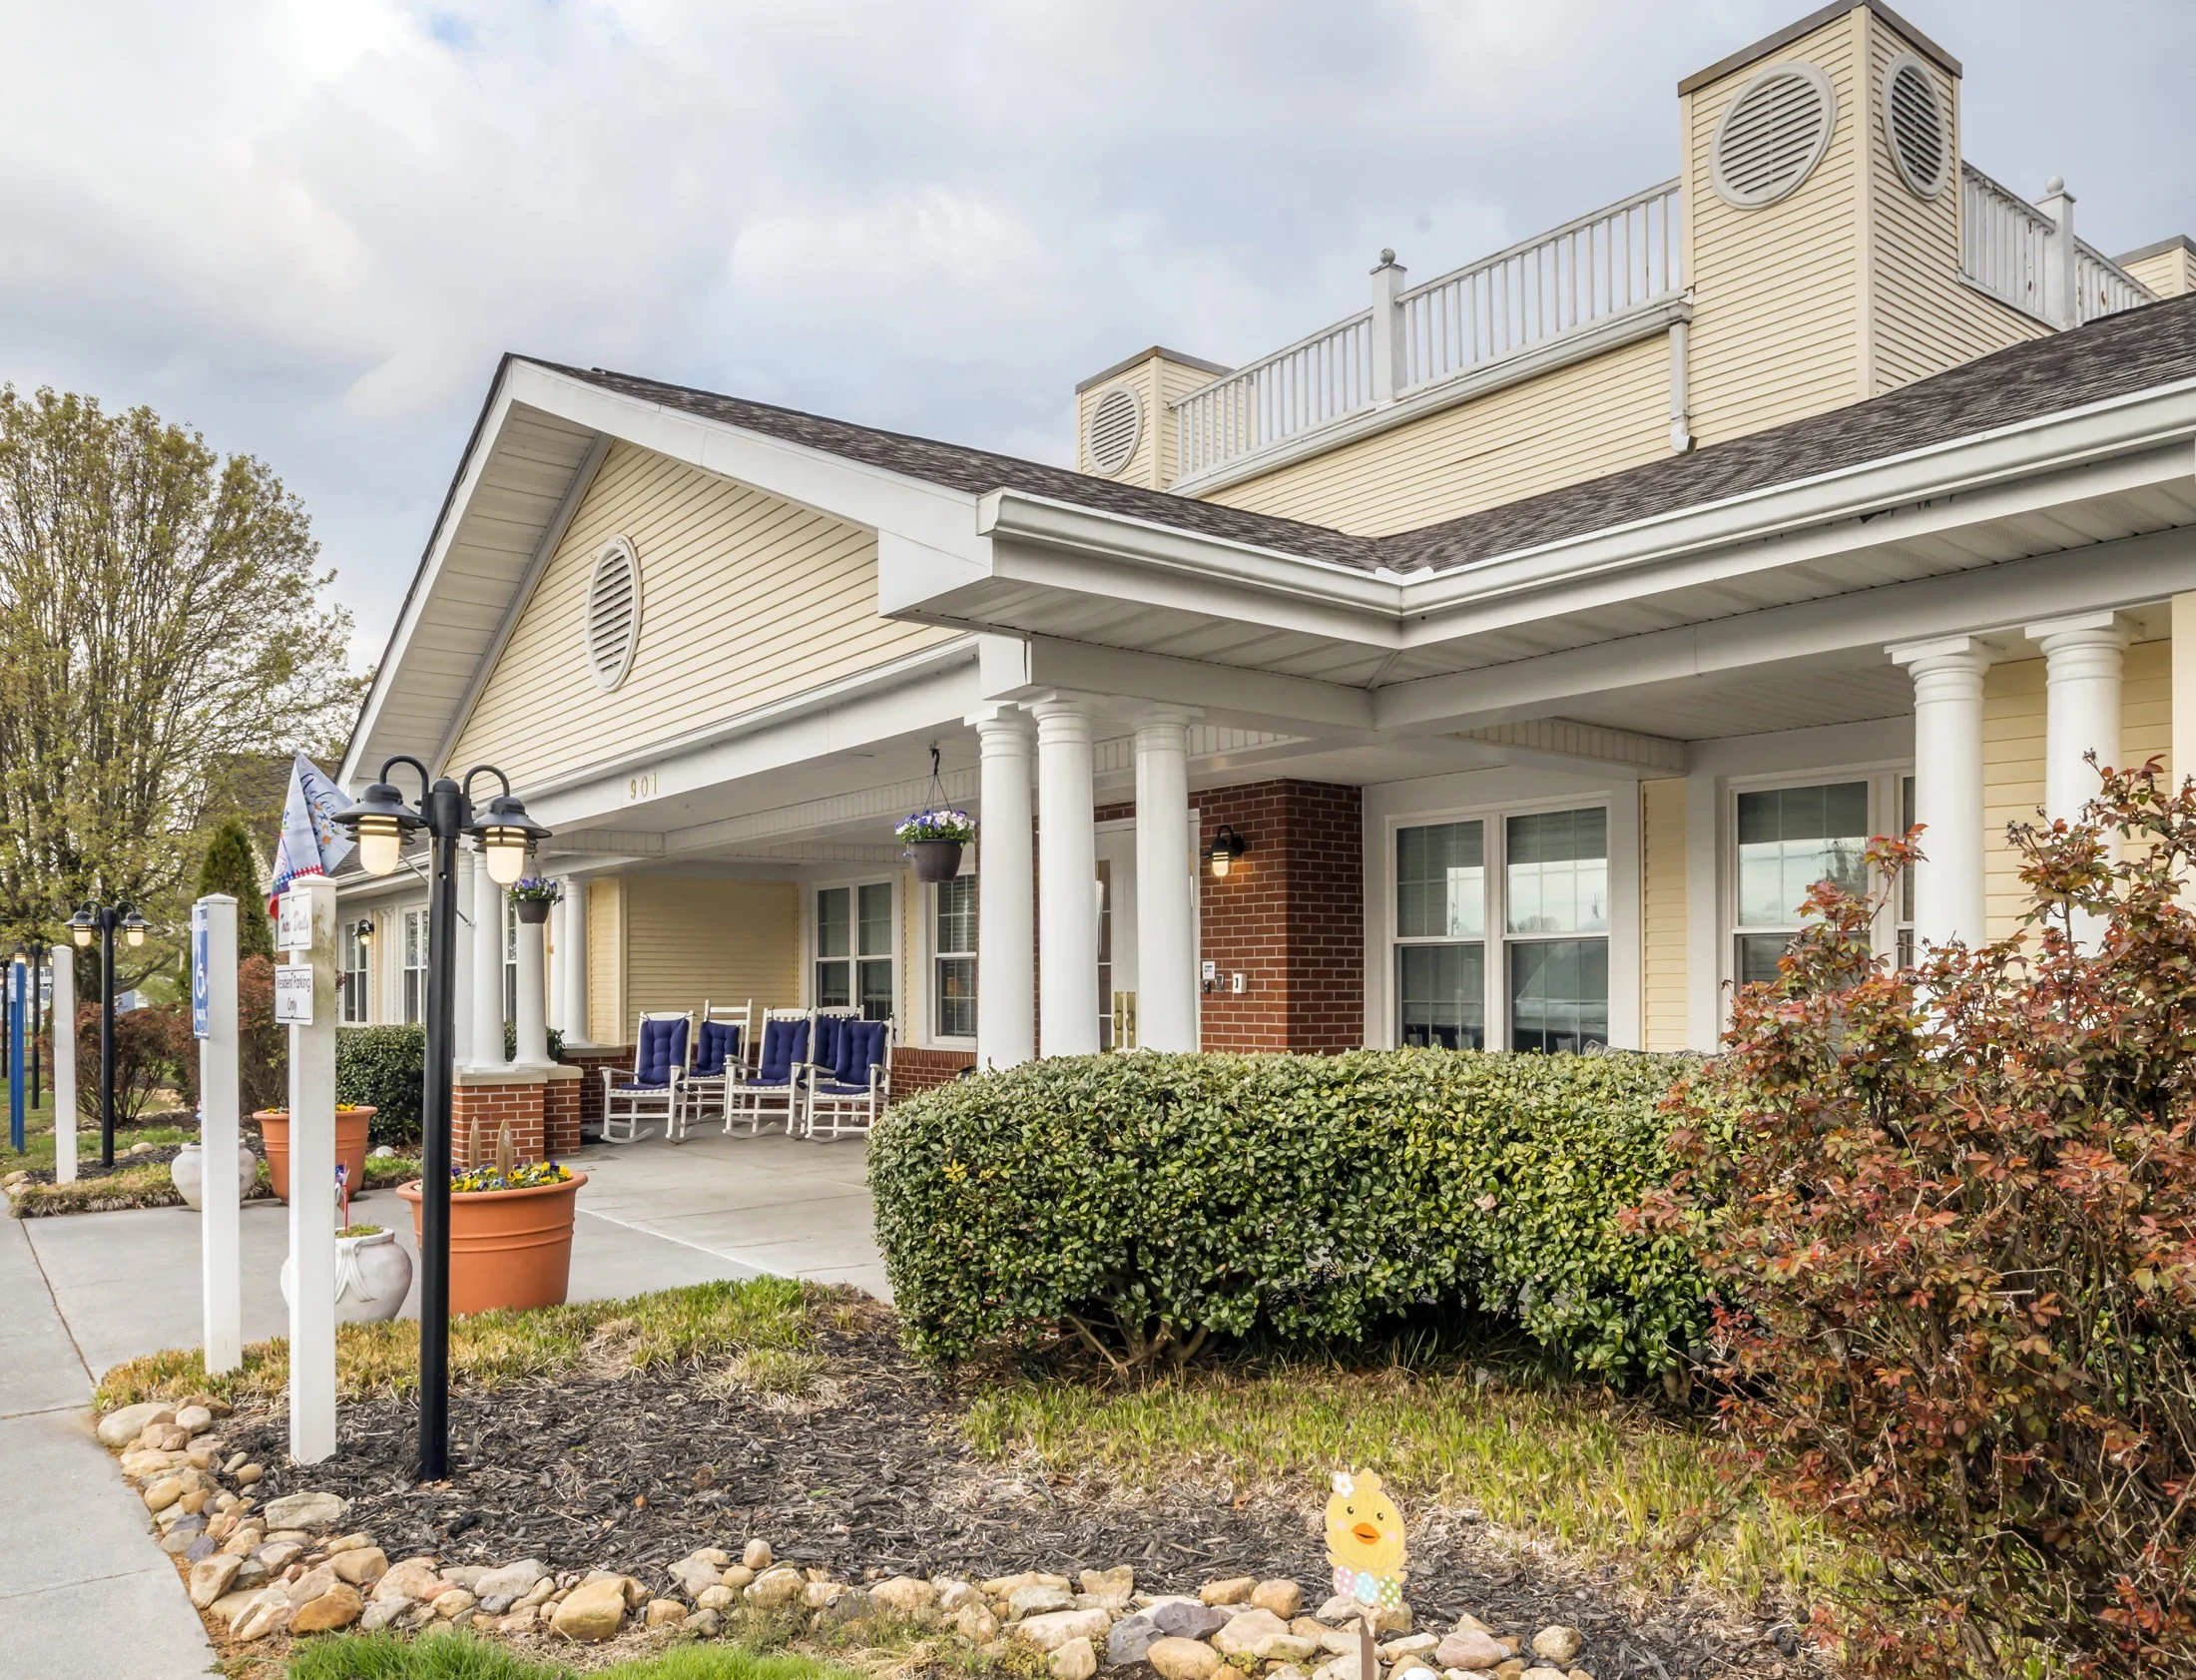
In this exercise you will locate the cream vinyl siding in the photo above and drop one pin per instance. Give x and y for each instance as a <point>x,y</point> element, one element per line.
<point>1583,422</point>
<point>607,1023</point>
<point>1175,383</point>
<point>2170,272</point>
<point>1923,317</point>
<point>2013,704</point>
<point>744,599</point>
<point>1777,291</point>
<point>688,938</point>
<point>1662,945</point>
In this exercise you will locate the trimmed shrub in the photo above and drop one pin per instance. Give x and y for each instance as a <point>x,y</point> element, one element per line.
<point>263,1047</point>
<point>1953,1213</point>
<point>386,1066</point>
<point>1145,1203</point>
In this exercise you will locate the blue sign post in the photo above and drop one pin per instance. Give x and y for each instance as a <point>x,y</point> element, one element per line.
<point>200,1000</point>
<point>16,971</point>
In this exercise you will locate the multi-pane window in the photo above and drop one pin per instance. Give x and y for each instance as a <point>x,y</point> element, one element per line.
<point>1441,935</point>
<point>1789,839</point>
<point>510,958</point>
<point>1906,876</point>
<point>1556,915</point>
<point>416,966</point>
<point>853,948</point>
<point>351,980</point>
<point>954,959</point>
<point>1103,908</point>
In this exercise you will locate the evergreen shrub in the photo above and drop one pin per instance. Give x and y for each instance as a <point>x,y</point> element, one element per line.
<point>386,1066</point>
<point>1143,1204</point>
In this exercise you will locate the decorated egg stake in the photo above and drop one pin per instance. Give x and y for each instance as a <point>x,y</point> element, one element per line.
<point>1364,1540</point>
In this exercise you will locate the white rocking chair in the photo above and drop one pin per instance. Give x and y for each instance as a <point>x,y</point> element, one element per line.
<point>771,1088</point>
<point>649,1091</point>
<point>849,1098</point>
<point>722,1045</point>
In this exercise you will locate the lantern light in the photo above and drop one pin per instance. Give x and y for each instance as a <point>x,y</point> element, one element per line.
<point>1228,846</point>
<point>82,926</point>
<point>136,926</point>
<point>505,834</point>
<point>381,821</point>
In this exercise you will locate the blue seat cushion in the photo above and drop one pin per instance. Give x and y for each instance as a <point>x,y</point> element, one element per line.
<point>860,1047</point>
<point>717,1043</point>
<point>831,1031</point>
<point>663,1046</point>
<point>784,1043</point>
<point>836,1088</point>
<point>644,1090</point>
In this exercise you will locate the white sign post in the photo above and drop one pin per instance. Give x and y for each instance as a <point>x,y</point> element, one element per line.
<point>63,957</point>
<point>310,988</point>
<point>214,1021</point>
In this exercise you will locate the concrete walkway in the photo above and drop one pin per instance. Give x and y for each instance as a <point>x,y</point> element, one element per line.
<point>86,1590</point>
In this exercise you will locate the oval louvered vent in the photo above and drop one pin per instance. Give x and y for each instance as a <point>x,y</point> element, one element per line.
<point>613,611</point>
<point>1116,423</point>
<point>1773,135</point>
<point>1914,123</point>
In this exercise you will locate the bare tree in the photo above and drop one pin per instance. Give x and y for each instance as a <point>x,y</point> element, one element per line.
<point>160,612</point>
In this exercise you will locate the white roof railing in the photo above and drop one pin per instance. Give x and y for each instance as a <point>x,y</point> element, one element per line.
<point>1619,259</point>
<point>2012,249</point>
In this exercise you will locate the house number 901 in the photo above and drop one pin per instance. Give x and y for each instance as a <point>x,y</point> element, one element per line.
<point>641,786</point>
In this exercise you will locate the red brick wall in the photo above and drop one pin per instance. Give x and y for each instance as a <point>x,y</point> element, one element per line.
<point>917,1070</point>
<point>478,1114</point>
<point>1290,917</point>
<point>560,1119</point>
<point>591,1062</point>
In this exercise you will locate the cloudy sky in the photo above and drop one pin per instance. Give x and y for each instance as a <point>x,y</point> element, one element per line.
<point>309,228</point>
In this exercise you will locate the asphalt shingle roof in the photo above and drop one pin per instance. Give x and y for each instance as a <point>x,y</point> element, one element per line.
<point>2116,357</point>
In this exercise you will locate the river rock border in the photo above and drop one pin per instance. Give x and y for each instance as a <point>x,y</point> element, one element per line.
<point>290,1568</point>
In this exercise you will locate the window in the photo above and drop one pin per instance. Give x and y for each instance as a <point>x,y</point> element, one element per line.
<point>1105,953</point>
<point>1906,876</point>
<point>953,959</point>
<point>1441,935</point>
<point>416,966</point>
<point>1555,889</point>
<point>351,981</point>
<point>1789,839</point>
<point>853,948</point>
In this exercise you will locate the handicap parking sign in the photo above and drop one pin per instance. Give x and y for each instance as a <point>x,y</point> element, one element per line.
<point>201,942</point>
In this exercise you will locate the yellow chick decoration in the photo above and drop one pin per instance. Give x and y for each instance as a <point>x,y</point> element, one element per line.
<point>1364,1540</point>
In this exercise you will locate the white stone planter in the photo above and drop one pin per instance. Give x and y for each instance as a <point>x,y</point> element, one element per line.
<point>372,1277</point>
<point>187,1172</point>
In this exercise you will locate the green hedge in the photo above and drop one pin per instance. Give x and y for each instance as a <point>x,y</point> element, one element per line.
<point>1304,1197</point>
<point>387,1065</point>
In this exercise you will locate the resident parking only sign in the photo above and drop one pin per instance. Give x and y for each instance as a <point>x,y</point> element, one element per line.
<point>202,1026</point>
<point>293,994</point>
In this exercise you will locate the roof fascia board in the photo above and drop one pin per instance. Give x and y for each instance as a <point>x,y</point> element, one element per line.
<point>1647,320</point>
<point>1807,539</point>
<point>1223,694</point>
<point>936,687</point>
<point>2133,572</point>
<point>1961,466</point>
<point>853,491</point>
<point>1125,559</point>
<point>488,438</point>
<point>1808,25</point>
<point>551,537</point>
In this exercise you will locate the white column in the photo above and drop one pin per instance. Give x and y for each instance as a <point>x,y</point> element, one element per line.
<point>220,1253</point>
<point>487,968</point>
<point>1948,898</point>
<point>1067,878</point>
<point>1006,935</point>
<point>461,1004</point>
<point>1166,909</point>
<point>572,962</point>
<point>2081,675</point>
<point>63,957</point>
<point>531,1041</point>
<point>312,1193</point>
<point>553,976</point>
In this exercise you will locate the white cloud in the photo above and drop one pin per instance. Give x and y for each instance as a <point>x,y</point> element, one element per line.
<point>310,229</point>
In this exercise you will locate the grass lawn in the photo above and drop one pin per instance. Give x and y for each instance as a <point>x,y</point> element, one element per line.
<point>38,1135</point>
<point>382,1656</point>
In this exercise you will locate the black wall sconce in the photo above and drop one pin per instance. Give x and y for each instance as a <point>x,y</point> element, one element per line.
<point>1228,846</point>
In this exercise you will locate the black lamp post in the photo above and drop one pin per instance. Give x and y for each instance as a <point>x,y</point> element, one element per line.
<point>103,919</point>
<point>37,952</point>
<point>381,822</point>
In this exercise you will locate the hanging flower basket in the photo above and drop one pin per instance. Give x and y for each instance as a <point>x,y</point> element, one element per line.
<point>533,898</point>
<point>934,840</point>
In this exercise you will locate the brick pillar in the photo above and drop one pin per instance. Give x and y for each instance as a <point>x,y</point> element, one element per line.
<point>481,1105</point>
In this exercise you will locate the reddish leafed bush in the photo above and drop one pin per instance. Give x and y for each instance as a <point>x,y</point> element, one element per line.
<point>1950,1215</point>
<point>263,1048</point>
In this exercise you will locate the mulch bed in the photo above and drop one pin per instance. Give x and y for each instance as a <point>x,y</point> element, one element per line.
<point>87,1160</point>
<point>635,1470</point>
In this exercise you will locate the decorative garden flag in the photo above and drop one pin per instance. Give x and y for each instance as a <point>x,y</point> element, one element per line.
<point>312,845</point>
<point>1364,1540</point>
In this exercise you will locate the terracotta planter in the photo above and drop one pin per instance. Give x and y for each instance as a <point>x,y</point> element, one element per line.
<point>351,1127</point>
<point>936,859</point>
<point>508,1248</point>
<point>533,910</point>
